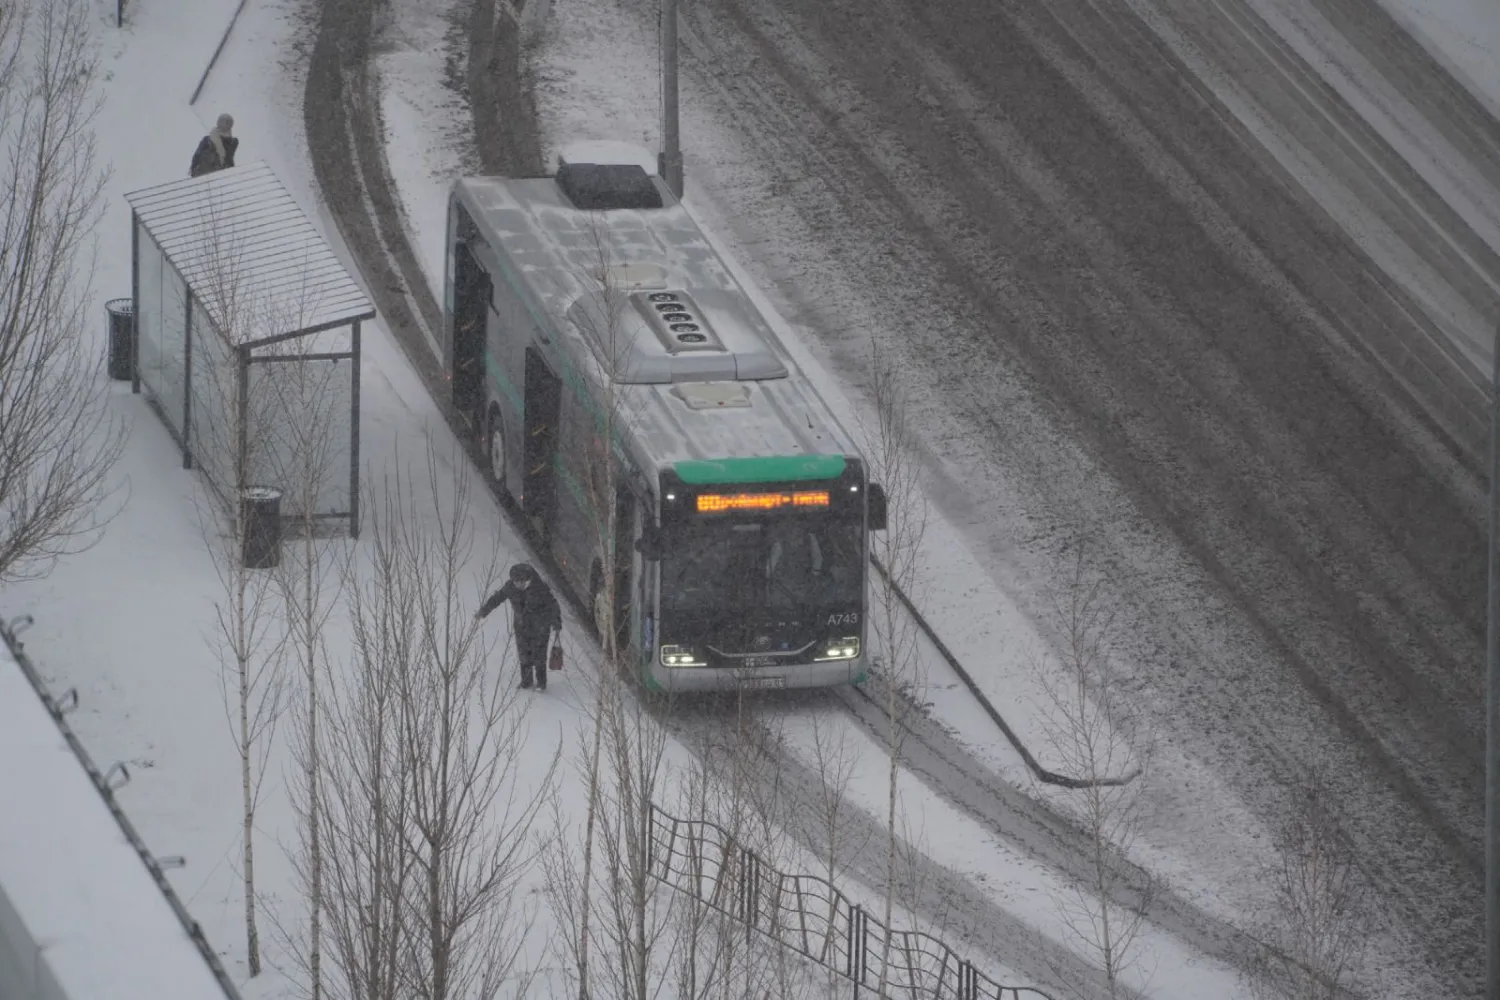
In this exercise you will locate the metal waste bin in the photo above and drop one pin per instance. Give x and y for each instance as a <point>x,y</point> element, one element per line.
<point>260,518</point>
<point>121,338</point>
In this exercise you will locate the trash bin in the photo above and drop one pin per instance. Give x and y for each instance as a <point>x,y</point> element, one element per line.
<point>260,515</point>
<point>121,338</point>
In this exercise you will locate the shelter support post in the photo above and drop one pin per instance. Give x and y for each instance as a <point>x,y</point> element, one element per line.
<point>135,303</point>
<point>187,380</point>
<point>354,437</point>
<point>242,421</point>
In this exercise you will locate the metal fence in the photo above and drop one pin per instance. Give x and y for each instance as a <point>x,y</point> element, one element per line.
<point>812,917</point>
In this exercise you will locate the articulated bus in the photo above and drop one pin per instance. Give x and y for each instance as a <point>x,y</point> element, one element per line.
<point>588,305</point>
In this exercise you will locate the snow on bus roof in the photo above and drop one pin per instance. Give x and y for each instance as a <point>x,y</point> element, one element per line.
<point>552,249</point>
<point>77,904</point>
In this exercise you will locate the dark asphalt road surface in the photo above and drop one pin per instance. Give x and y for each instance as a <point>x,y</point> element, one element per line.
<point>1126,325</point>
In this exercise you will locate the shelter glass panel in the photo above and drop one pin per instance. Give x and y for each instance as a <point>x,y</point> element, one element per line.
<point>301,415</point>
<point>215,391</point>
<point>170,386</point>
<point>148,310</point>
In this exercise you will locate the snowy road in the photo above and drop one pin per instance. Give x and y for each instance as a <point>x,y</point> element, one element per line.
<point>1129,325</point>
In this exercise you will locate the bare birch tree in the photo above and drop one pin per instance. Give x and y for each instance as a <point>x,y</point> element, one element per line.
<point>1099,742</point>
<point>304,405</point>
<point>428,786</point>
<point>1318,931</point>
<point>58,441</point>
<point>747,794</point>
<point>825,823</point>
<point>249,636</point>
<point>365,782</point>
<point>465,736</point>
<point>229,441</point>
<point>895,464</point>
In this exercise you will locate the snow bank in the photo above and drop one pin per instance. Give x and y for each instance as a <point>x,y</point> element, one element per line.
<point>80,916</point>
<point>1462,35</point>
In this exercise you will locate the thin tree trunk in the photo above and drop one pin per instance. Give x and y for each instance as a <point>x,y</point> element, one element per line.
<point>588,847</point>
<point>314,832</point>
<point>247,788</point>
<point>247,779</point>
<point>892,779</point>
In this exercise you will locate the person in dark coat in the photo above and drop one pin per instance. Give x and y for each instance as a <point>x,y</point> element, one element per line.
<point>537,619</point>
<point>216,150</point>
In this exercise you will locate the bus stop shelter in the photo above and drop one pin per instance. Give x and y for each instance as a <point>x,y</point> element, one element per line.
<point>247,340</point>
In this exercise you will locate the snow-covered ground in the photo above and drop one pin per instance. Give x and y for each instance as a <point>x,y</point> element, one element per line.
<point>130,622</point>
<point>126,622</point>
<point>65,846</point>
<point>595,77</point>
<point>1340,166</point>
<point>1160,965</point>
<point>1463,35</point>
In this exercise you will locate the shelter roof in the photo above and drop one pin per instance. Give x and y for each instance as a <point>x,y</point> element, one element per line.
<point>249,254</point>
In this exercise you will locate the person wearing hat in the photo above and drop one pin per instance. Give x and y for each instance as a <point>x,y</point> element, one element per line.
<point>537,619</point>
<point>216,150</point>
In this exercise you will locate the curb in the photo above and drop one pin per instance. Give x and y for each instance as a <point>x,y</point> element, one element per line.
<point>1041,773</point>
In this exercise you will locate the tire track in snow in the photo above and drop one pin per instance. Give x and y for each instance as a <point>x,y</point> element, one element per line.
<point>1297,598</point>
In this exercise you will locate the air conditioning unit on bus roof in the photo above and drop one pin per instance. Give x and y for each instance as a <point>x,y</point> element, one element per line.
<point>666,335</point>
<point>677,321</point>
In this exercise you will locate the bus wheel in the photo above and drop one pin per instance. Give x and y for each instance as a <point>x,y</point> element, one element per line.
<point>599,601</point>
<point>495,445</point>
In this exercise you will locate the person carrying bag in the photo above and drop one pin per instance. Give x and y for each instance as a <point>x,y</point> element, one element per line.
<point>537,619</point>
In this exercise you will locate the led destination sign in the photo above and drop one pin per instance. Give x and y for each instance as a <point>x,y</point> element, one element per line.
<point>718,503</point>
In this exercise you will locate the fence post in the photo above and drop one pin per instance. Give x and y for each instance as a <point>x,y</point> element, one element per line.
<point>857,946</point>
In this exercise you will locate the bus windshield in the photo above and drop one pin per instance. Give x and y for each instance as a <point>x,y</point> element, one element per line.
<point>775,565</point>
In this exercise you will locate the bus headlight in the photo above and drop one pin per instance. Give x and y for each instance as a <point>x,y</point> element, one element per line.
<point>839,649</point>
<point>681,656</point>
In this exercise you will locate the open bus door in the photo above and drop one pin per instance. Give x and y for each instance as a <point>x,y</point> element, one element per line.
<point>543,402</point>
<point>625,563</point>
<point>471,302</point>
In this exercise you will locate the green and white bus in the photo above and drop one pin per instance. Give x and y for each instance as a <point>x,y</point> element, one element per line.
<point>588,305</point>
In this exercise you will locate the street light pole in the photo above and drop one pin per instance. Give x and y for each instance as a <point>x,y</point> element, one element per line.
<point>1492,703</point>
<point>669,161</point>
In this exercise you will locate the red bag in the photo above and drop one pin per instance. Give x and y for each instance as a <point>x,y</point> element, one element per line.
<point>554,658</point>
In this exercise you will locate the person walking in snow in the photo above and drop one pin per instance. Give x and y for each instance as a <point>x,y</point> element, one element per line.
<point>216,150</point>
<point>537,618</point>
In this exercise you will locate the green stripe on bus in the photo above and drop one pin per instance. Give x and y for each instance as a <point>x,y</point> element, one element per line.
<point>506,385</point>
<point>775,469</point>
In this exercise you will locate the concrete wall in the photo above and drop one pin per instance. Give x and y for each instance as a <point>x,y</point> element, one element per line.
<point>24,971</point>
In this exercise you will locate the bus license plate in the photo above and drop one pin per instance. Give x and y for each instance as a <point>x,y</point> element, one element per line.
<point>763,682</point>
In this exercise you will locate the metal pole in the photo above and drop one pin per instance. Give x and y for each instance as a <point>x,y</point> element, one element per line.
<point>1492,702</point>
<point>669,162</point>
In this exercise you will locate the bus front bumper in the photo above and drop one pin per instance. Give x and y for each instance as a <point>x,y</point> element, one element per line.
<point>805,675</point>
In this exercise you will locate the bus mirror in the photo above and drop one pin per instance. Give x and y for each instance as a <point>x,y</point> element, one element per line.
<point>649,544</point>
<point>876,503</point>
